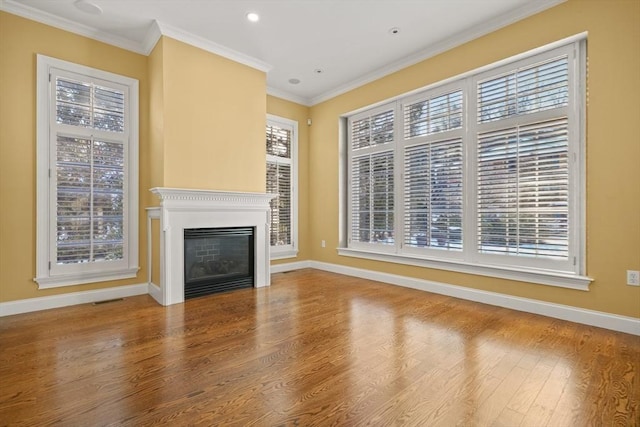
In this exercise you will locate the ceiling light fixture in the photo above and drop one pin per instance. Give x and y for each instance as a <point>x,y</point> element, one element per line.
<point>318,71</point>
<point>88,7</point>
<point>253,17</point>
<point>294,81</point>
<point>394,31</point>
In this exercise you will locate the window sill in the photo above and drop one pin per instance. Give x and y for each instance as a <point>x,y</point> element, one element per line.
<point>48,282</point>
<point>291,253</point>
<point>542,277</point>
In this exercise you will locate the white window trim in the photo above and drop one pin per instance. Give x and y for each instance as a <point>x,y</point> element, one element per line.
<point>545,276</point>
<point>529,275</point>
<point>289,251</point>
<point>44,276</point>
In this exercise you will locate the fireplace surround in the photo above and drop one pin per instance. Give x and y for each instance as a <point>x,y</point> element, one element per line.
<point>185,209</point>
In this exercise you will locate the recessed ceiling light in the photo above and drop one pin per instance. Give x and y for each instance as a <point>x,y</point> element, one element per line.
<point>88,7</point>
<point>253,17</point>
<point>294,81</point>
<point>394,31</point>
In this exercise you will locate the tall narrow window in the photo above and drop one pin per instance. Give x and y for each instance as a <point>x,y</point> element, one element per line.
<point>523,162</point>
<point>87,175</point>
<point>372,181</point>
<point>433,171</point>
<point>281,142</point>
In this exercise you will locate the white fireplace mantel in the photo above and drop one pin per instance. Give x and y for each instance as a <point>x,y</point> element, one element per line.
<point>182,209</point>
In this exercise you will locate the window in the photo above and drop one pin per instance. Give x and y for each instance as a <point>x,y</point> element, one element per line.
<point>282,142</point>
<point>479,174</point>
<point>372,180</point>
<point>87,184</point>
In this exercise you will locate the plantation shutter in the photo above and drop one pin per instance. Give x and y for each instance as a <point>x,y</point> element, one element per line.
<point>523,162</point>
<point>279,182</point>
<point>433,171</point>
<point>372,198</point>
<point>372,177</point>
<point>433,115</point>
<point>433,195</point>
<point>89,171</point>
<point>532,89</point>
<point>279,176</point>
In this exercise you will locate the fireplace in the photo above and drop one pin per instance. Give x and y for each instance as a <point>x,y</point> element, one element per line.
<point>185,211</point>
<point>217,260</point>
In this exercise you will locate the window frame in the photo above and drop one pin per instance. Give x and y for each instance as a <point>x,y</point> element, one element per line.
<point>570,275</point>
<point>291,250</point>
<point>48,273</point>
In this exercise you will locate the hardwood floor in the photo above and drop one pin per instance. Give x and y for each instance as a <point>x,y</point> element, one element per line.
<point>314,349</point>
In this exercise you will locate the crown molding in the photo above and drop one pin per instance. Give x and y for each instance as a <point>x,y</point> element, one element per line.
<point>472,33</point>
<point>156,29</point>
<point>151,38</point>
<point>28,12</point>
<point>209,46</point>
<point>288,96</point>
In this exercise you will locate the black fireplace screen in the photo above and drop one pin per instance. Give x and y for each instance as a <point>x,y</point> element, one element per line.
<point>217,260</point>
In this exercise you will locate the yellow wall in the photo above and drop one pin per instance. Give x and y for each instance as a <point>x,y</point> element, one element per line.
<point>613,148</point>
<point>299,113</point>
<point>214,121</point>
<point>20,41</point>
<point>156,118</point>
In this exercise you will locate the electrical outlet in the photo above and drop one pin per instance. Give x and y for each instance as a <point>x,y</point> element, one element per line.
<point>322,244</point>
<point>633,277</point>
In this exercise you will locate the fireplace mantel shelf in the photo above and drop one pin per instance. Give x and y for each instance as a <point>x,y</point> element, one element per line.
<point>184,194</point>
<point>182,208</point>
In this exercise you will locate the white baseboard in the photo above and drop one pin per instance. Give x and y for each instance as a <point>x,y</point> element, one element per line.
<point>600,319</point>
<point>629,325</point>
<point>290,266</point>
<point>74,298</point>
<point>156,292</point>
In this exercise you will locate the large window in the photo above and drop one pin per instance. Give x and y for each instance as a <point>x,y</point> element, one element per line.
<point>282,145</point>
<point>481,174</point>
<point>87,175</point>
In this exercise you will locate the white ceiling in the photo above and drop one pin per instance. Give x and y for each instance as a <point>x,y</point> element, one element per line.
<point>348,40</point>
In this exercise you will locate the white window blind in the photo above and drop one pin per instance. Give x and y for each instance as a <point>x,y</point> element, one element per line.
<point>523,164</point>
<point>433,170</point>
<point>527,90</point>
<point>89,173</point>
<point>372,195</point>
<point>433,195</point>
<point>372,188</point>
<point>281,141</point>
<point>87,180</point>
<point>372,130</point>
<point>90,205</point>
<point>523,190</point>
<point>490,169</point>
<point>438,114</point>
<point>279,182</point>
<point>89,105</point>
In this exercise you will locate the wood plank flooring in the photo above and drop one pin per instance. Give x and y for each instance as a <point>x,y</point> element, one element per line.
<point>315,349</point>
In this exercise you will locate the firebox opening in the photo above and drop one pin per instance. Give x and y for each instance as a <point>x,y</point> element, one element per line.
<point>218,260</point>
